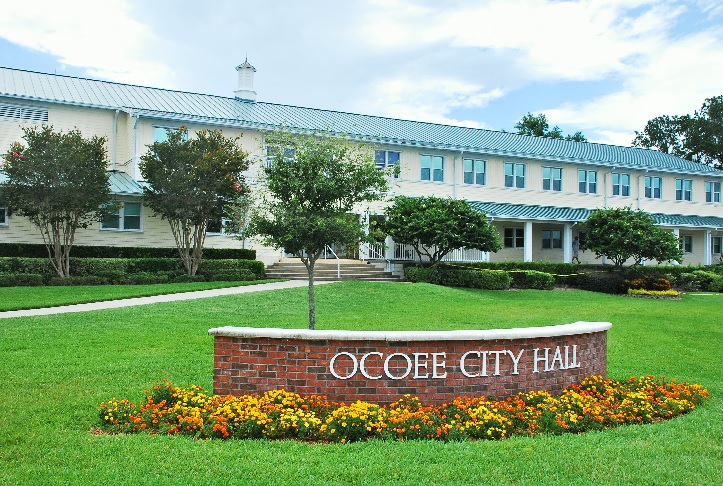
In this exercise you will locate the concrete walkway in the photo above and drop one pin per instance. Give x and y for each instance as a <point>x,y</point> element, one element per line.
<point>198,294</point>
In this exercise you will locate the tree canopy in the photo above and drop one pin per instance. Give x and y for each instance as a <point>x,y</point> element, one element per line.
<point>435,226</point>
<point>538,126</point>
<point>622,234</point>
<point>58,181</point>
<point>312,185</point>
<point>697,137</point>
<point>190,182</point>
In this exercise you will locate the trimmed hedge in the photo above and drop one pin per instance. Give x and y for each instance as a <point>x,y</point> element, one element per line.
<point>532,279</point>
<point>21,271</point>
<point>454,277</point>
<point>82,251</point>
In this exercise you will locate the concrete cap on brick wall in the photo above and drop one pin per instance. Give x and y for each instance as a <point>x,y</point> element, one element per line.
<point>579,327</point>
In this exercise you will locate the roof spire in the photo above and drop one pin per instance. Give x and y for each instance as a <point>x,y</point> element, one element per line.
<point>245,89</point>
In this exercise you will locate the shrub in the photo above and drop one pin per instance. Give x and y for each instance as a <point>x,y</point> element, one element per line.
<point>422,274</point>
<point>606,282</point>
<point>648,283</point>
<point>145,278</point>
<point>701,280</point>
<point>653,293</point>
<point>21,280</point>
<point>83,251</point>
<point>84,280</point>
<point>25,265</point>
<point>532,279</point>
<point>243,267</point>
<point>475,279</point>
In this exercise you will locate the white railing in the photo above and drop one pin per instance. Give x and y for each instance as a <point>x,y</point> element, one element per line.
<point>407,253</point>
<point>338,262</point>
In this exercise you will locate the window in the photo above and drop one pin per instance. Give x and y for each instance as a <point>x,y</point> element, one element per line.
<point>160,134</point>
<point>686,243</point>
<point>3,216</point>
<point>514,237</point>
<point>621,184</point>
<point>683,189</point>
<point>716,245</point>
<point>218,226</point>
<point>432,168</point>
<point>474,171</point>
<point>712,192</point>
<point>551,239</point>
<point>273,151</point>
<point>386,158</point>
<point>653,187</point>
<point>587,181</point>
<point>126,218</point>
<point>552,178</point>
<point>514,175</point>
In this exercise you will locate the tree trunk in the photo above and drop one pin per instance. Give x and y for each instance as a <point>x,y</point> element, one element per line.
<point>312,304</point>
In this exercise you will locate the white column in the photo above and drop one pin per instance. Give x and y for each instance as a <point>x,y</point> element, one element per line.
<point>567,243</point>
<point>676,233</point>
<point>389,248</point>
<point>708,250</point>
<point>528,241</point>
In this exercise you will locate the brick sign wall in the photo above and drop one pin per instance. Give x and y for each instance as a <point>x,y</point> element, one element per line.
<point>381,367</point>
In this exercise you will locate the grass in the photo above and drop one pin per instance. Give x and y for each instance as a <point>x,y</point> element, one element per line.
<point>18,298</point>
<point>57,369</point>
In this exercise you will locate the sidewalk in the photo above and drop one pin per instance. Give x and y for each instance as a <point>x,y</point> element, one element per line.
<point>198,294</point>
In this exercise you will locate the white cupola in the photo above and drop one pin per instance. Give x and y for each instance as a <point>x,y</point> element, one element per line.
<point>245,89</point>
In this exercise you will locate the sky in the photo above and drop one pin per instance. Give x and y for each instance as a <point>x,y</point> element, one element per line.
<point>602,67</point>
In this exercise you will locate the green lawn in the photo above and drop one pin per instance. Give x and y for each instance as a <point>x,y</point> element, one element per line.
<point>57,369</point>
<point>15,298</point>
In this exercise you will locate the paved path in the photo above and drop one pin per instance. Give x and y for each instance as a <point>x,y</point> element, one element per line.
<point>198,294</point>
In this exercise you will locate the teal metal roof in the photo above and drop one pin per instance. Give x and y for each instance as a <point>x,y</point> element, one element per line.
<point>123,185</point>
<point>578,215</point>
<point>182,106</point>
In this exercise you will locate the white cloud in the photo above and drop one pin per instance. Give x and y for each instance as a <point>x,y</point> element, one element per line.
<point>674,80</point>
<point>581,40</point>
<point>99,36</point>
<point>429,99</point>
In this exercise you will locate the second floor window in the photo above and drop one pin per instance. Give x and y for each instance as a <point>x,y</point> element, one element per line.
<point>587,181</point>
<point>712,191</point>
<point>474,171</point>
<point>3,216</point>
<point>160,134</point>
<point>552,178</point>
<point>621,184</point>
<point>432,168</point>
<point>514,175</point>
<point>653,187</point>
<point>126,218</point>
<point>683,189</point>
<point>514,238</point>
<point>386,158</point>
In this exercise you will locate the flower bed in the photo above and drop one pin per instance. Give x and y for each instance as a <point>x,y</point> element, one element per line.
<point>594,404</point>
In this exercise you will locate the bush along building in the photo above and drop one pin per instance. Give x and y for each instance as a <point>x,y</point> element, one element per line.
<point>536,191</point>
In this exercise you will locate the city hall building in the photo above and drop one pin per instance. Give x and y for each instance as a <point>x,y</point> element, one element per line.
<point>536,191</point>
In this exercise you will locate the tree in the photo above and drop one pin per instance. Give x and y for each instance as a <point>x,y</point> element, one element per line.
<point>697,137</point>
<point>190,181</point>
<point>312,185</point>
<point>621,234</point>
<point>537,126</point>
<point>435,226</point>
<point>59,182</point>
